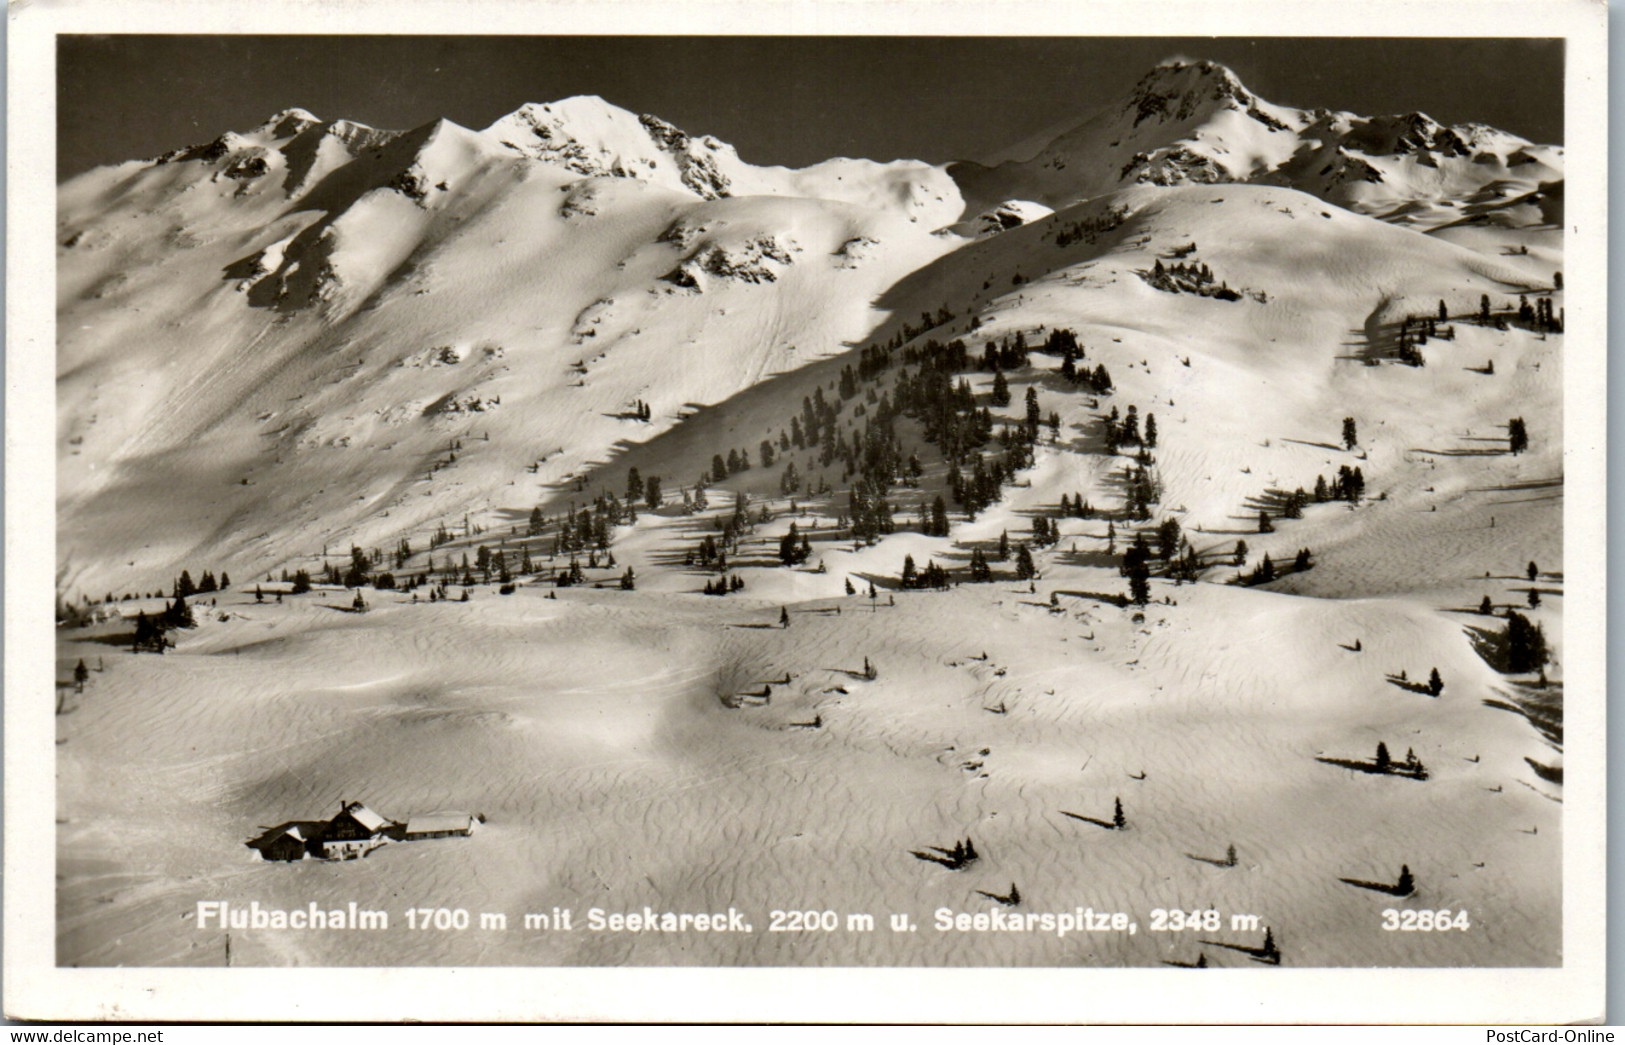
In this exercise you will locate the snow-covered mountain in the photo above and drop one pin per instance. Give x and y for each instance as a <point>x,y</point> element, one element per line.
<point>1195,123</point>
<point>295,323</point>
<point>314,332</point>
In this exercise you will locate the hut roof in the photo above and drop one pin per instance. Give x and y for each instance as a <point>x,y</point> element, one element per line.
<point>431,822</point>
<point>364,816</point>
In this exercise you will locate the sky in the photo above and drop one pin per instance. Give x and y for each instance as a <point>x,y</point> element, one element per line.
<point>789,100</point>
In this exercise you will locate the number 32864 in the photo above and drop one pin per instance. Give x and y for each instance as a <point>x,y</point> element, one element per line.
<point>1425,921</point>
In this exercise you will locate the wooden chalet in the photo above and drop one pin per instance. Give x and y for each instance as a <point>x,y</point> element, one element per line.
<point>354,832</point>
<point>286,844</point>
<point>355,822</point>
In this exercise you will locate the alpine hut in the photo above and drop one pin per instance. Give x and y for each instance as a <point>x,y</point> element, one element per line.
<point>439,825</point>
<point>354,831</point>
<point>287,844</point>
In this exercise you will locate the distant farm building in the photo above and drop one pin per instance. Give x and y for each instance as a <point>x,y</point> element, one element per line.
<point>355,832</point>
<point>439,825</point>
<point>286,844</point>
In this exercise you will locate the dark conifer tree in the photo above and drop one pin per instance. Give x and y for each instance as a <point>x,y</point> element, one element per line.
<point>1168,538</point>
<point>1001,389</point>
<point>1435,683</point>
<point>1139,583</point>
<point>1351,437</point>
<point>1517,436</point>
<point>147,634</point>
<point>1526,648</point>
<point>790,547</point>
<point>1486,607</point>
<point>179,615</point>
<point>1026,569</point>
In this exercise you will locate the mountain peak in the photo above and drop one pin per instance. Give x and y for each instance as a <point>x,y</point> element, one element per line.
<point>1178,89</point>
<point>289,122</point>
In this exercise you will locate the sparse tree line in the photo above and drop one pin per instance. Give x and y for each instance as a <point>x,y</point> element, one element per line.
<point>1064,343</point>
<point>1088,229</point>
<point>1126,432</point>
<point>181,587</point>
<point>151,633</point>
<point>1266,570</point>
<point>933,576</point>
<point>1538,317</point>
<point>1411,766</point>
<point>1416,331</point>
<point>1347,485</point>
<point>1191,278</point>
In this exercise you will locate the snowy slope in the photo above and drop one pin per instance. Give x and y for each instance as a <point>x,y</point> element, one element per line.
<point>296,323</point>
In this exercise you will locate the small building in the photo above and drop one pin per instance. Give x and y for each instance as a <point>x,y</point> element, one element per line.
<point>355,822</point>
<point>287,844</point>
<point>439,825</point>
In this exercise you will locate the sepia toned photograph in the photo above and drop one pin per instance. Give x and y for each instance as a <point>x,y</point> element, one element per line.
<point>899,500</point>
